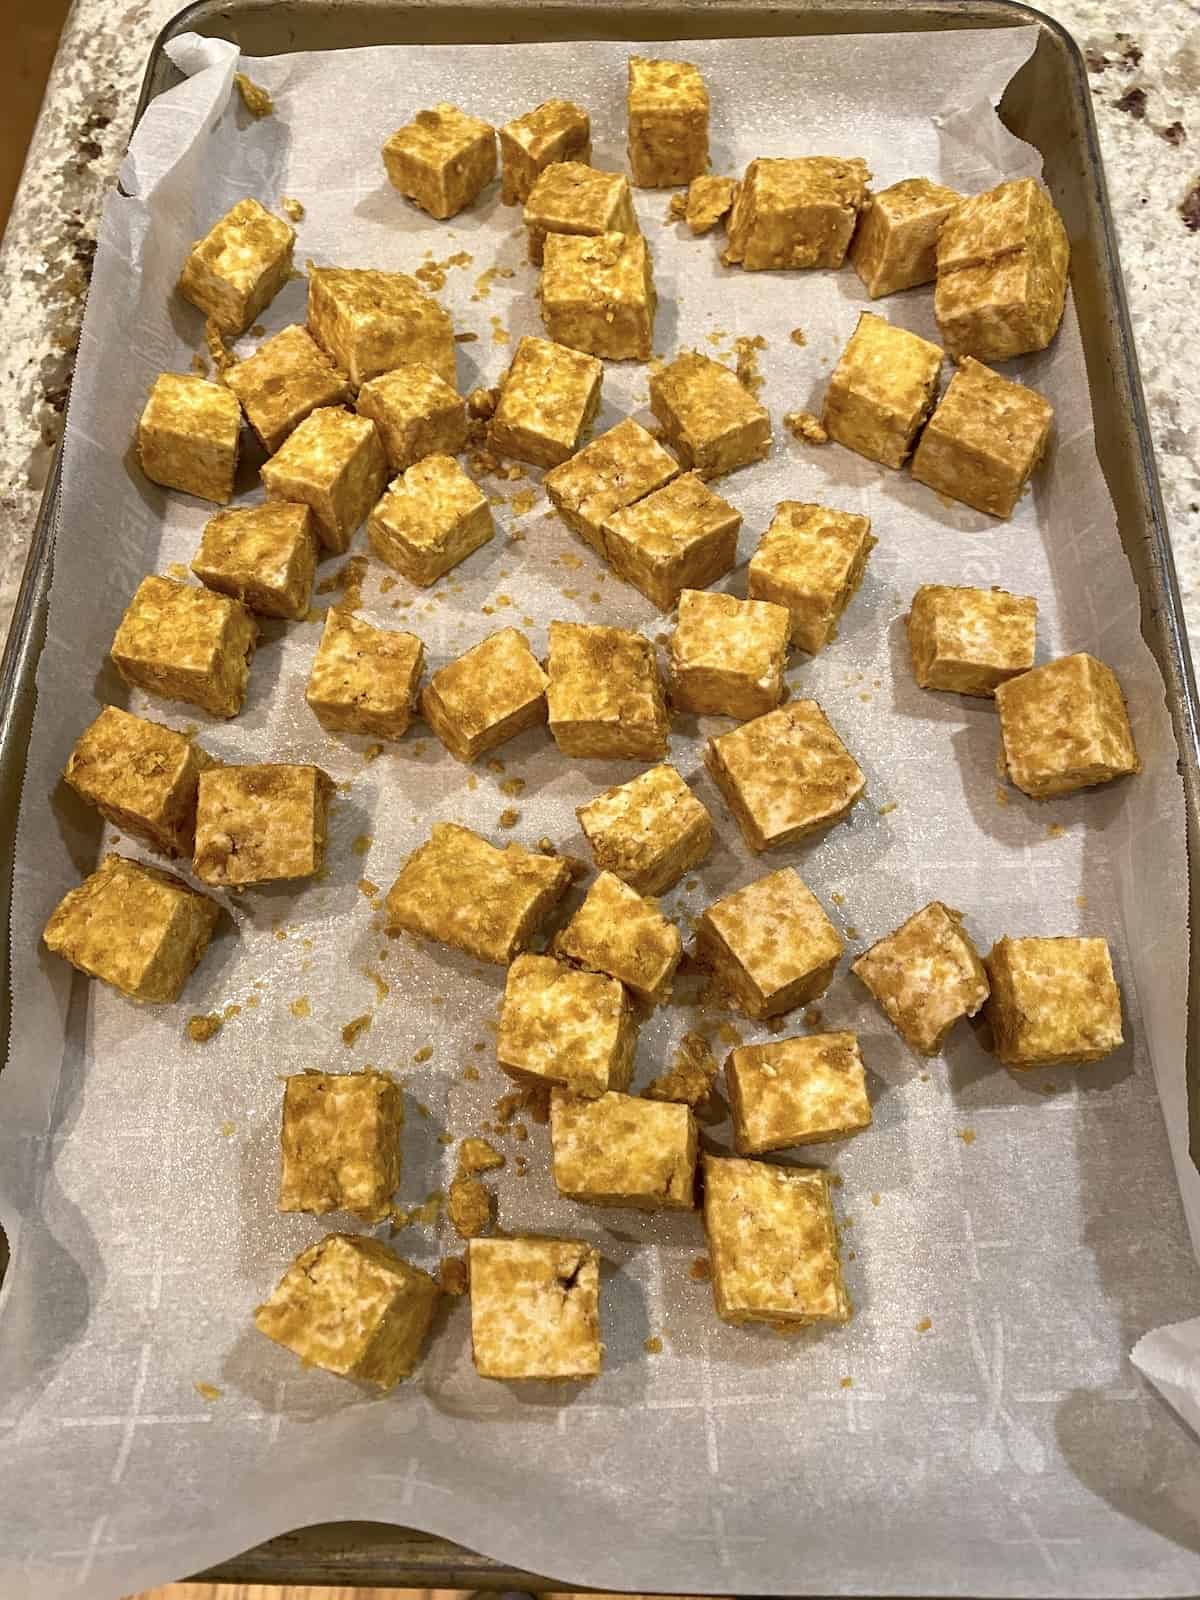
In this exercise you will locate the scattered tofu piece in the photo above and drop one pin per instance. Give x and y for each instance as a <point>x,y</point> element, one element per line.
<point>557,130</point>
<point>895,244</point>
<point>442,160</point>
<point>708,416</point>
<point>369,322</point>
<point>340,1143</point>
<point>620,1150</point>
<point>1054,1002</point>
<point>620,467</point>
<point>558,1025</point>
<point>469,1206</point>
<point>811,560</point>
<point>141,777</point>
<point>1064,727</point>
<point>796,1091</point>
<point>487,696</point>
<point>984,440</point>
<point>548,398</point>
<point>881,391</point>
<point>728,655</point>
<point>709,199</point>
<point>417,413</point>
<point>925,976</point>
<point>617,932</point>
<point>572,197</point>
<point>769,945</point>
<point>185,643</point>
<point>432,517</point>
<point>797,212</point>
<point>333,463</point>
<point>667,107</point>
<point>187,437</point>
<point>239,266</point>
<point>535,1308</point>
<point>967,641</point>
<point>690,1079</point>
<point>265,556</point>
<point>677,537</point>
<point>287,378</point>
<point>261,823</point>
<point>598,294</point>
<point>364,679</point>
<point>605,696</point>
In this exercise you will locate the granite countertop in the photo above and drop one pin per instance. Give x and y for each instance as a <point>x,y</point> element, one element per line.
<point>1144,64</point>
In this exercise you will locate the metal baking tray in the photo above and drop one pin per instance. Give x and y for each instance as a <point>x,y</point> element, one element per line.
<point>1048,103</point>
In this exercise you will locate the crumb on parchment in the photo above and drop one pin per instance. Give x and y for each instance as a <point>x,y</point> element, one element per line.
<point>221,356</point>
<point>201,1029</point>
<point>653,1346</point>
<point>293,210</point>
<point>690,1079</point>
<point>300,1007</point>
<point>803,425</point>
<point>255,98</point>
<point>452,1275</point>
<point>469,1207</point>
<point>355,1027</point>
<point>700,1269</point>
<point>477,1155</point>
<point>206,1391</point>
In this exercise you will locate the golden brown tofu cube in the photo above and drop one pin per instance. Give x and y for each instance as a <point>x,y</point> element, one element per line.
<point>796,212</point>
<point>432,517</point>
<point>1054,1002</point>
<point>487,696</point>
<point>369,322</point>
<point>572,197</point>
<point>351,1306</point>
<point>1002,261</point>
<point>881,391</point>
<point>558,1025</point>
<point>364,679</point>
<point>811,560</point>
<point>708,200</point>
<point>621,1150</point>
<point>648,831</point>
<point>340,1143</point>
<point>261,823</point>
<point>925,976</point>
<point>784,775</point>
<point>288,377</point>
<point>239,266</point>
<point>548,397</point>
<point>460,890</point>
<point>708,416</point>
<point>141,776</point>
<point>796,1091</point>
<point>895,244</point>
<point>772,1243</point>
<point>680,536</point>
<point>442,160</point>
<point>620,467</point>
<point>605,697</point>
<point>769,945</point>
<point>984,439</point>
<point>185,643</point>
<point>265,556</point>
<point>617,932</point>
<point>417,414</point>
<point>555,131</point>
<point>668,122</point>
<point>535,1308</point>
<point>967,641</point>
<point>598,294</point>
<point>1064,727</point>
<point>188,436</point>
<point>134,927</point>
<point>728,655</point>
<point>334,464</point>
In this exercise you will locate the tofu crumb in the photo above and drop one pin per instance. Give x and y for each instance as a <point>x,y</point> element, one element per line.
<point>477,1155</point>
<point>424,1215</point>
<point>837,898</point>
<point>1055,831</point>
<point>797,336</point>
<point>509,817</point>
<point>887,808</point>
<point>875,1198</point>
<point>482,403</point>
<point>513,787</point>
<point>355,1027</point>
<point>228,1129</point>
<point>470,1074</point>
<point>201,1029</point>
<point>520,1166</point>
<point>255,98</point>
<point>425,1053</point>
<point>747,349</point>
<point>700,1269</point>
<point>300,1007</point>
<point>293,210</point>
<point>967,1135</point>
<point>207,1391</point>
<point>813,1017</point>
<point>846,1383</point>
<point>466,338</point>
<point>677,209</point>
<point>520,1132</point>
<point>1001,796</point>
<point>362,844</point>
<point>653,1346</point>
<point>452,1275</point>
<point>368,888</point>
<point>219,353</point>
<point>804,426</point>
<point>469,1207</point>
<point>690,1079</point>
<point>1081,901</point>
<point>924,1325</point>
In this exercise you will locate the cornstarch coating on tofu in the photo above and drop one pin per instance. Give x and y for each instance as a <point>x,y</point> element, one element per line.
<point>925,976</point>
<point>769,945</point>
<point>535,1308</point>
<point>340,1143</point>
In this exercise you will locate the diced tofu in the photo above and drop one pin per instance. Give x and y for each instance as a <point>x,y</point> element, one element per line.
<point>617,932</point>
<point>624,1151</point>
<point>417,414</point>
<point>708,416</point>
<point>186,643</point>
<point>769,945</point>
<point>188,436</point>
<point>340,1143</point>
<point>680,536</point>
<point>239,266</point>
<point>134,927</point>
<point>796,212</point>
<point>1054,1002</point>
<point>881,391</point>
<point>535,1308</point>
<point>649,831</point>
<point>598,294</point>
<point>796,1091</point>
<point>261,823</point>
<point>442,160</point>
<point>668,122</point>
<point>369,322</point>
<point>557,130</point>
<point>141,776</point>
<point>708,200</point>
<point>364,679</point>
<point>572,197</point>
<point>811,560</point>
<point>265,556</point>
<point>487,696</point>
<point>287,378</point>
<point>728,655</point>
<point>605,697</point>
<point>966,641</point>
<point>432,517</point>
<point>925,976</point>
<point>548,397</point>
<point>895,245</point>
<point>334,464</point>
<point>620,467</point>
<point>984,440</point>
<point>1064,727</point>
<point>558,1025</point>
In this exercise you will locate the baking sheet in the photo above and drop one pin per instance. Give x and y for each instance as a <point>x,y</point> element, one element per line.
<point>1033,1223</point>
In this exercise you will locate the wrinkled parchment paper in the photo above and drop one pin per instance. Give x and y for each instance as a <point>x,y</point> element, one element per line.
<point>978,1428</point>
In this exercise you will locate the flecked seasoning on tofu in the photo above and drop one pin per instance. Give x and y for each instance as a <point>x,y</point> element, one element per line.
<point>559,1025</point>
<point>261,823</point>
<point>769,945</point>
<point>796,1091</point>
<point>432,517</point>
<point>925,976</point>
<point>535,1308</point>
<point>649,831</point>
<point>621,1150</point>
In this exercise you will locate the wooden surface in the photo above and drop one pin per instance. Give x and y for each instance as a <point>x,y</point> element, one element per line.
<point>257,1591</point>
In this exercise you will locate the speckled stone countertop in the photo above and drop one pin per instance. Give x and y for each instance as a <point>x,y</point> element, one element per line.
<point>1144,64</point>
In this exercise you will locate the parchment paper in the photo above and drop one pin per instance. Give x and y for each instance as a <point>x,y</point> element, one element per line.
<point>977,1429</point>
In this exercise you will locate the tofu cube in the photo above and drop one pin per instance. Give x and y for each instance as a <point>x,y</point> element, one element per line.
<point>1002,261</point>
<point>708,416</point>
<point>351,1306</point>
<point>555,131</point>
<point>769,945</point>
<point>598,294</point>
<point>620,467</point>
<point>535,1308</point>
<point>432,517</point>
<point>668,123</point>
<point>881,391</point>
<point>368,322</point>
<point>728,655</point>
<point>784,775</point>
<point>134,927</point>
<point>185,643</point>
<point>340,1143</point>
<point>624,1151</point>
<point>1054,1002</point>
<point>558,1025</point>
<point>188,436</point>
<point>967,641</point>
<point>772,1244</point>
<point>459,890</point>
<point>617,932</point>
<point>442,160</point>
<point>487,696</point>
<point>708,200</point>
<point>796,1091</point>
<point>548,397</point>
<point>239,266</point>
<point>417,414</point>
<point>649,831</point>
<point>605,697</point>
<point>1064,727</point>
<point>364,679</point>
<point>261,824</point>
<point>895,244</point>
<point>811,560</point>
<point>141,776</point>
<point>925,976</point>
<point>795,212</point>
<point>265,556</point>
<point>334,464</point>
<point>572,197</point>
<point>680,536</point>
<point>286,379</point>
<point>984,440</point>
